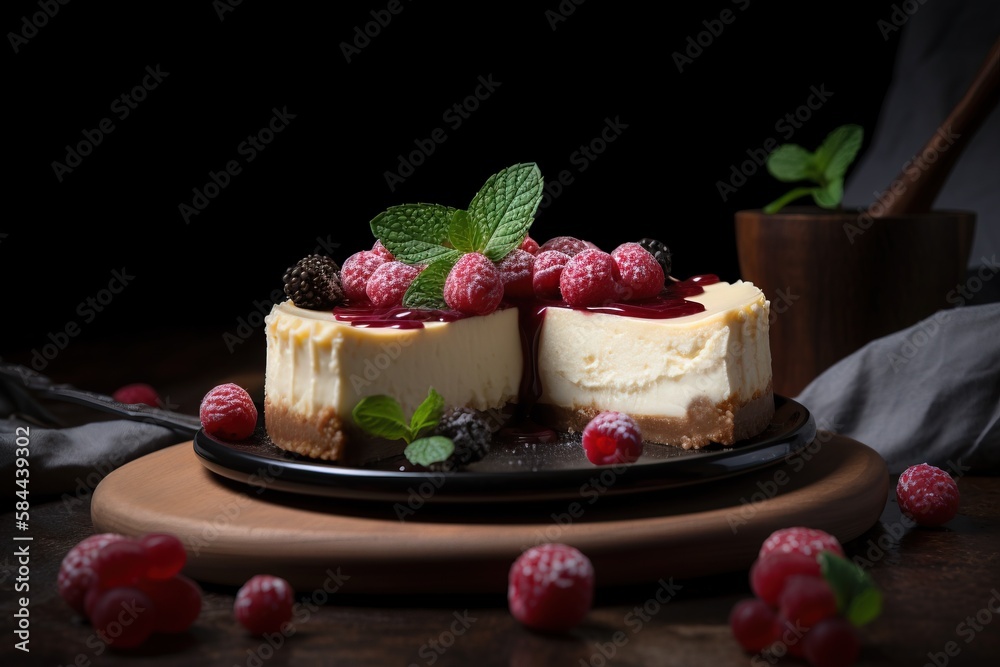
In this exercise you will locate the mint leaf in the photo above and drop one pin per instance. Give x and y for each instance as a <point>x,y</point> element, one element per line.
<point>858,598</point>
<point>426,451</point>
<point>461,232</point>
<point>790,163</point>
<point>829,196</point>
<point>838,151</point>
<point>381,416</point>
<point>502,211</point>
<point>428,414</point>
<point>427,289</point>
<point>825,168</point>
<point>415,233</point>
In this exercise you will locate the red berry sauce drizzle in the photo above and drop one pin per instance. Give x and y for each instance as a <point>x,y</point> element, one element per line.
<point>670,303</point>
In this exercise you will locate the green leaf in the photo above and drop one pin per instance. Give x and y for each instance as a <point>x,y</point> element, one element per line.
<point>427,289</point>
<point>381,416</point>
<point>790,163</point>
<point>858,598</point>
<point>787,198</point>
<point>504,208</point>
<point>415,233</point>
<point>838,151</point>
<point>428,414</point>
<point>462,234</point>
<point>830,195</point>
<point>425,451</point>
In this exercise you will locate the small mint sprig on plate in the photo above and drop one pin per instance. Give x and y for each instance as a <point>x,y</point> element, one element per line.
<point>382,416</point>
<point>496,222</point>
<point>826,168</point>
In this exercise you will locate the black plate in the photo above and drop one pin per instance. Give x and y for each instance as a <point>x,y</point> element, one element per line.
<point>510,472</point>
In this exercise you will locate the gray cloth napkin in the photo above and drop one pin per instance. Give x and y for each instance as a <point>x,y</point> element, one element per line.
<point>68,460</point>
<point>926,394</point>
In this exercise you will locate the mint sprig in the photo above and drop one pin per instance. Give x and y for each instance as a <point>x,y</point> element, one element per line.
<point>496,222</point>
<point>858,598</point>
<point>382,416</point>
<point>826,168</point>
<point>433,449</point>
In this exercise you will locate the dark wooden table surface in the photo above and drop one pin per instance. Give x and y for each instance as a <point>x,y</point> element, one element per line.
<point>941,586</point>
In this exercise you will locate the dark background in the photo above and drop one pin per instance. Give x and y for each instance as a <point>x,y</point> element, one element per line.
<point>323,178</point>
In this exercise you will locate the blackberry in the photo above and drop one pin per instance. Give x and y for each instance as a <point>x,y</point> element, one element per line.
<point>469,431</point>
<point>660,251</point>
<point>314,283</point>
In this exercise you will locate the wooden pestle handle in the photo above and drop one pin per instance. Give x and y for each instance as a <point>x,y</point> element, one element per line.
<point>914,190</point>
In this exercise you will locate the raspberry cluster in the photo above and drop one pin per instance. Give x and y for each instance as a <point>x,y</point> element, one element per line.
<point>795,609</point>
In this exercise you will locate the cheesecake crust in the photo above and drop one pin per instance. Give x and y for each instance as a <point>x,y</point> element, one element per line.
<point>320,437</point>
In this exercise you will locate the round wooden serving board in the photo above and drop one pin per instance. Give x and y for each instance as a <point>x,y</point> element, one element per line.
<point>234,531</point>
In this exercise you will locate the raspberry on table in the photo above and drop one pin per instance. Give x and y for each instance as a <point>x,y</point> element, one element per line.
<point>137,392</point>
<point>382,251</point>
<point>76,573</point>
<point>801,539</point>
<point>228,412</point>
<point>516,274</point>
<point>589,279</point>
<point>530,245</point>
<point>768,575</point>
<point>120,563</point>
<point>641,275</point>
<point>752,622</point>
<point>354,275</point>
<point>569,245</point>
<point>177,601</point>
<point>833,642</point>
<point>264,603</point>
<point>546,271</point>
<point>165,555</point>
<point>123,617</point>
<point>474,285</point>
<point>612,437</point>
<point>550,587</point>
<point>389,283</point>
<point>928,495</point>
<point>806,600</point>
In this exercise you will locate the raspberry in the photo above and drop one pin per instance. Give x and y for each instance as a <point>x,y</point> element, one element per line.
<point>752,624</point>
<point>768,575</point>
<point>470,432</point>
<point>516,274</point>
<point>228,412</point>
<point>569,245</point>
<point>546,271</point>
<point>474,285</point>
<point>165,555</point>
<point>833,642</point>
<point>314,283</point>
<point>264,604</point>
<point>612,437</point>
<point>123,617</point>
<point>808,541</point>
<point>138,392</point>
<point>530,245</point>
<point>928,495</point>
<point>76,572</point>
<point>660,252</point>
<point>120,563</point>
<point>177,601</point>
<point>382,252</point>
<point>641,275</point>
<point>389,282</point>
<point>550,587</point>
<point>589,278</point>
<point>806,600</point>
<point>357,269</point>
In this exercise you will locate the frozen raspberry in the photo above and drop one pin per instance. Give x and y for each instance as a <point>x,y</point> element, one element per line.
<point>123,617</point>
<point>752,623</point>
<point>165,555</point>
<point>357,269</point>
<point>388,284</point>
<point>806,600</point>
<point>177,601</point>
<point>382,251</point>
<point>550,587</point>
<point>569,245</point>
<point>589,278</point>
<point>138,392</point>
<point>546,272</point>
<point>808,541</point>
<point>264,604</point>
<point>833,642</point>
<point>530,245</point>
<point>76,573</point>
<point>474,285</point>
<point>516,274</point>
<point>120,563</point>
<point>612,437</point>
<point>928,495</point>
<point>228,412</point>
<point>768,575</point>
<point>641,275</point>
<point>660,252</point>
